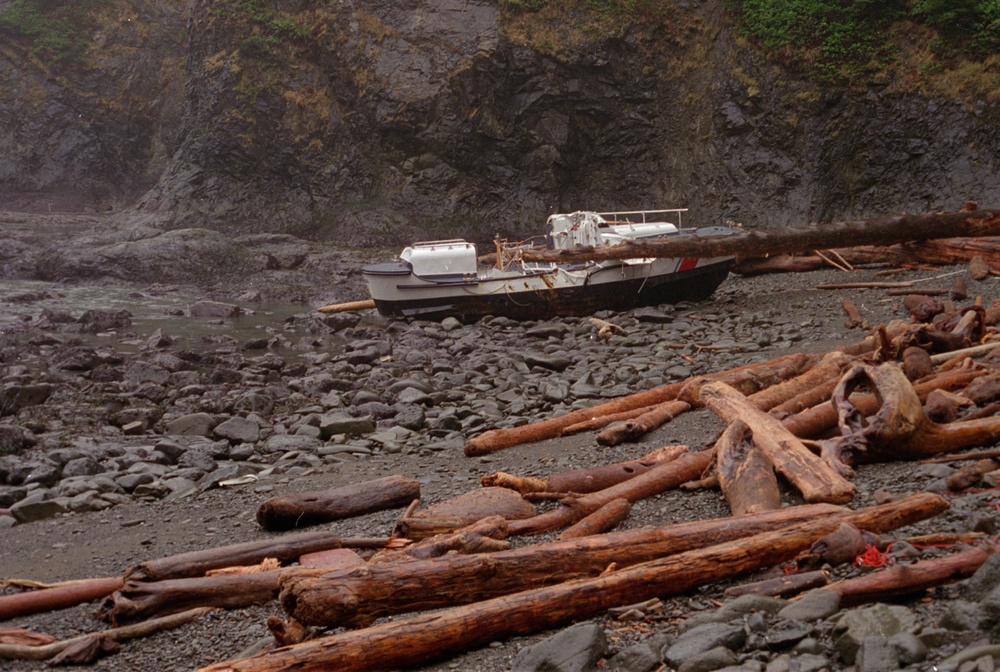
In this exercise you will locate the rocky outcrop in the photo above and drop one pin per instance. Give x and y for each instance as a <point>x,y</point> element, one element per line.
<point>385,122</point>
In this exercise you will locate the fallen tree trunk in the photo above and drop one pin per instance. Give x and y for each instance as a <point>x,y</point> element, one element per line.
<point>285,549</point>
<point>357,596</point>
<point>782,585</point>
<point>764,242</point>
<point>817,480</point>
<point>941,252</point>
<point>420,639</point>
<point>746,476</point>
<point>818,419</point>
<point>659,479</point>
<point>590,479</point>
<point>61,597</point>
<point>140,600</point>
<point>909,579</point>
<point>321,506</point>
<point>899,429</point>
<point>602,520</point>
<point>631,430</point>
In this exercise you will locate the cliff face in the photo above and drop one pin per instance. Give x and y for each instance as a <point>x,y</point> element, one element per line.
<point>374,123</point>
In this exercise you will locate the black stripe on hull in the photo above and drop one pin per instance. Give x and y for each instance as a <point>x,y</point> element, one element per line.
<point>693,285</point>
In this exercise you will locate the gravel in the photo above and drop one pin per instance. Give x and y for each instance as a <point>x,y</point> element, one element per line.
<point>425,388</point>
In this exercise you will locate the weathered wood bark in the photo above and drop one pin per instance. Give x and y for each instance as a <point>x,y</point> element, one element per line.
<point>971,474</point>
<point>287,548</point>
<point>367,304</point>
<point>831,366</point>
<point>909,579</point>
<point>746,476</point>
<point>498,439</point>
<point>602,520</point>
<point>590,479</point>
<point>814,478</point>
<point>659,479</point>
<point>358,596</point>
<point>44,652</point>
<point>420,639</point>
<point>764,242</point>
<point>485,535</point>
<point>782,585</point>
<point>818,419</point>
<point>899,429</point>
<point>139,600</point>
<point>50,599</point>
<point>477,504</point>
<point>630,430</point>
<point>603,421</point>
<point>322,506</point>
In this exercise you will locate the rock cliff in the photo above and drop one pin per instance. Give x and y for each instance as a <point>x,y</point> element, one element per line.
<point>374,122</point>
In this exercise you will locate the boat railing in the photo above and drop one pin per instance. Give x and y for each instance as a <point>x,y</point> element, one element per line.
<point>510,253</point>
<point>643,216</point>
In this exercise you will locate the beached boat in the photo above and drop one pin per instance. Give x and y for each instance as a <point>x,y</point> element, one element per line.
<point>437,279</point>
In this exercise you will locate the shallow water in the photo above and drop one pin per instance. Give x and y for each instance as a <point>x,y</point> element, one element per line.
<point>152,308</point>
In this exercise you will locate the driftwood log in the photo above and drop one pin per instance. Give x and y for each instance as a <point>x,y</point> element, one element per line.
<point>761,242</point>
<point>981,253</point>
<point>602,520</point>
<point>356,596</point>
<point>420,639</point>
<point>590,479</point>
<point>140,600</point>
<point>57,597</point>
<point>286,548</point>
<point>746,475</point>
<point>659,479</point>
<point>630,430</point>
<point>899,429</point>
<point>321,506</point>
<point>908,579</point>
<point>817,480</point>
<point>781,586</point>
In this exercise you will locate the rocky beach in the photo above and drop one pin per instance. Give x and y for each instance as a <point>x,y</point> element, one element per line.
<point>145,419</point>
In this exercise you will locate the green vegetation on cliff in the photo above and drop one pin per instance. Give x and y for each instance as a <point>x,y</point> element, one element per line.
<point>851,41</point>
<point>57,31</point>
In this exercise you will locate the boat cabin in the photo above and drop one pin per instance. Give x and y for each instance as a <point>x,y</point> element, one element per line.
<point>441,258</point>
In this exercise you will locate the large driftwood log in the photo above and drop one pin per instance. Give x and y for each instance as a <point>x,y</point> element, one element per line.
<point>358,595</point>
<point>815,479</point>
<point>419,639</point>
<point>831,366</point>
<point>659,479</point>
<point>899,430</point>
<point>139,600</point>
<point>58,597</point>
<point>815,421</point>
<point>942,252</point>
<point>746,476</point>
<point>322,506</point>
<point>909,579</point>
<point>764,242</point>
<point>590,479</point>
<point>761,374</point>
<point>286,548</point>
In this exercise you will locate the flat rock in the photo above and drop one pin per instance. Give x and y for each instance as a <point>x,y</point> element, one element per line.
<point>238,430</point>
<point>575,649</point>
<point>193,424</point>
<point>215,309</point>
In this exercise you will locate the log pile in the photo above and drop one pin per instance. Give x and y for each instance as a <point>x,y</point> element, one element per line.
<point>792,429</point>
